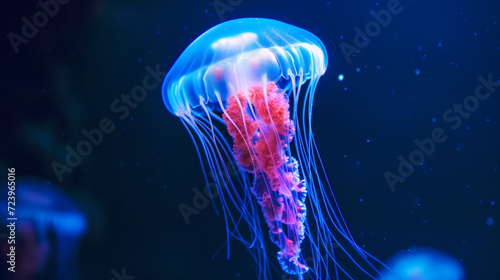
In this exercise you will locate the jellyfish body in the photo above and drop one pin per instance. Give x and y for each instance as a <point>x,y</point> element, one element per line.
<point>424,264</point>
<point>42,210</point>
<point>260,147</point>
<point>244,78</point>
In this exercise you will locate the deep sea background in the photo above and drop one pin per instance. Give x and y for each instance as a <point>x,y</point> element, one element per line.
<point>427,58</point>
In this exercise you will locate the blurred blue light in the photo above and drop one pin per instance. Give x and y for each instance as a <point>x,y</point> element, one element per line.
<point>423,264</point>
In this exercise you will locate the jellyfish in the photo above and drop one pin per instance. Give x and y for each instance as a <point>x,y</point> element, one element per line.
<point>422,263</point>
<point>244,91</point>
<point>44,213</point>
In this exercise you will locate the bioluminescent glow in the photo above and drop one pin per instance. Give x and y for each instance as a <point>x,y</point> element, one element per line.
<point>424,264</point>
<point>252,81</point>
<point>47,210</point>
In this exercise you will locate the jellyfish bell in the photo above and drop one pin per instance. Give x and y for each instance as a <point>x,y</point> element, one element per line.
<point>42,210</point>
<point>49,207</point>
<point>237,55</point>
<point>423,264</point>
<point>244,78</point>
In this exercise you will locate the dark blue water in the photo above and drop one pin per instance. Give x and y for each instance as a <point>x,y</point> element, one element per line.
<point>407,94</point>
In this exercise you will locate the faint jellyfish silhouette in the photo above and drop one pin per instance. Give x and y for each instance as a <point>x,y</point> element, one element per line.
<point>423,264</point>
<point>43,212</point>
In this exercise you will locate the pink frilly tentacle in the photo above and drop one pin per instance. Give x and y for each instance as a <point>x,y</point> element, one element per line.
<point>260,147</point>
